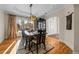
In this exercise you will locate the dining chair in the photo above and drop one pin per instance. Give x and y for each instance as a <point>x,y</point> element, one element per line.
<point>38,40</point>
<point>24,36</point>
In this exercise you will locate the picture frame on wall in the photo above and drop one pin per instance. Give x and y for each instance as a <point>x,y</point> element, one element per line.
<point>69,22</point>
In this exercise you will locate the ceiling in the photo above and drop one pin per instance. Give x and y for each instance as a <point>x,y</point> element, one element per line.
<point>24,9</point>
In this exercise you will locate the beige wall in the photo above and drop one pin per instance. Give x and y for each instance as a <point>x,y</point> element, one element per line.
<point>6,30</point>
<point>3,25</point>
<point>76,29</point>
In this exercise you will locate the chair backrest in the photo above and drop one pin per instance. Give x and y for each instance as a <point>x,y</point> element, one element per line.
<point>23,33</point>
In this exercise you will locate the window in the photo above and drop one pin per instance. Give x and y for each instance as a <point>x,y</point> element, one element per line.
<point>23,23</point>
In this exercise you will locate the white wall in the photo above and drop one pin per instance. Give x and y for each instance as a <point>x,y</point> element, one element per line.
<point>67,36</point>
<point>61,26</point>
<point>3,28</point>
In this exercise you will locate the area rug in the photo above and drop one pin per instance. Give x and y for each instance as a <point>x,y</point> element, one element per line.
<point>21,49</point>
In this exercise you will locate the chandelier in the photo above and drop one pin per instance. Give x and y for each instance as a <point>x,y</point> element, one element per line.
<point>32,17</point>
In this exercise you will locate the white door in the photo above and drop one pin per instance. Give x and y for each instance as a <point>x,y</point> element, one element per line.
<point>52,25</point>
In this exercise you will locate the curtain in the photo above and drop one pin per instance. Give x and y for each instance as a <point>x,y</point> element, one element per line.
<point>12,26</point>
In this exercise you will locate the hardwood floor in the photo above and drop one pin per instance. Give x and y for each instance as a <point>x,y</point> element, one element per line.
<point>59,47</point>
<point>7,45</point>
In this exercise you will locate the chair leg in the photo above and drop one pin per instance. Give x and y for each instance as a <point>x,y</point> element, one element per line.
<point>37,48</point>
<point>26,44</point>
<point>44,45</point>
<point>29,45</point>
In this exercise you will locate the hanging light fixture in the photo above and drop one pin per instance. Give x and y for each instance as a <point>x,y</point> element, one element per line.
<point>32,17</point>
